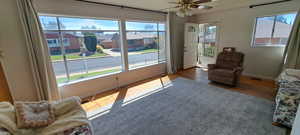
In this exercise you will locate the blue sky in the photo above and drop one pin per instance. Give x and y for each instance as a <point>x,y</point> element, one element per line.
<point>289,17</point>
<point>79,23</point>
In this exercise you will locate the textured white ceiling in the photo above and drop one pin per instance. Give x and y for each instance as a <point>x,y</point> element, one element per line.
<point>162,4</point>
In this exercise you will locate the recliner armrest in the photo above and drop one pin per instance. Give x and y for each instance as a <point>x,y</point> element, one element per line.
<point>238,69</point>
<point>211,66</point>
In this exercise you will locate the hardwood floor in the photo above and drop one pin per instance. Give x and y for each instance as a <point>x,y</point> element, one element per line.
<point>250,86</point>
<point>259,88</point>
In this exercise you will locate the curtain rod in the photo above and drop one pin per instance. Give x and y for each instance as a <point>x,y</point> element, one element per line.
<point>120,6</point>
<point>269,3</point>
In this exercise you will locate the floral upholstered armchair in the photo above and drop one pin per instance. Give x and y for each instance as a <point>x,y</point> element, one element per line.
<point>288,97</point>
<point>62,117</point>
<point>228,67</point>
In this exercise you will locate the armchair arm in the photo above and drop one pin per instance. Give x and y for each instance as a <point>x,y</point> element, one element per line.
<point>238,69</point>
<point>211,66</point>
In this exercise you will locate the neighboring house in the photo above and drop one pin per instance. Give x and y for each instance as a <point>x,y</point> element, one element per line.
<point>105,40</point>
<point>135,41</point>
<point>70,42</point>
<point>264,32</point>
<point>106,43</point>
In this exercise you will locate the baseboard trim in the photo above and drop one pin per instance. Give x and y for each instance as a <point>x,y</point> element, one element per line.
<point>258,76</point>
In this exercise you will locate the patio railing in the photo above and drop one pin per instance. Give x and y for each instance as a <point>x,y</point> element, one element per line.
<point>209,51</point>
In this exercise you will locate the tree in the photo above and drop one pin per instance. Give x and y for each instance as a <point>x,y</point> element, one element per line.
<point>282,19</point>
<point>93,27</point>
<point>90,41</point>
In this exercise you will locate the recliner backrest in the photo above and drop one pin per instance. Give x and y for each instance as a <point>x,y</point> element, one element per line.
<point>229,58</point>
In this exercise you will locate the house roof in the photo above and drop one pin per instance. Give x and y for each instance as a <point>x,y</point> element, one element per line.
<point>106,40</point>
<point>107,37</point>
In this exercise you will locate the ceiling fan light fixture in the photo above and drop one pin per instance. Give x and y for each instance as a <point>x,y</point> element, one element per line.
<point>180,14</point>
<point>185,6</point>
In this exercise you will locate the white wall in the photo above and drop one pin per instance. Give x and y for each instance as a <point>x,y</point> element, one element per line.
<point>15,60</point>
<point>236,28</point>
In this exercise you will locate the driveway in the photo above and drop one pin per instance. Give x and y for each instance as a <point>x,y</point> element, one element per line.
<point>78,66</point>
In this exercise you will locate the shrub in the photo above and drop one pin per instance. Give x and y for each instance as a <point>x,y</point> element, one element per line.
<point>90,41</point>
<point>99,49</point>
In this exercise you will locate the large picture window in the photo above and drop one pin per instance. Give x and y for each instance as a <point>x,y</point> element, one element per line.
<point>81,47</point>
<point>273,30</point>
<point>146,43</point>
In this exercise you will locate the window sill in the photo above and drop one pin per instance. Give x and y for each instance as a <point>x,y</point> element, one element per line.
<point>267,46</point>
<point>144,66</point>
<point>87,78</point>
<point>106,75</point>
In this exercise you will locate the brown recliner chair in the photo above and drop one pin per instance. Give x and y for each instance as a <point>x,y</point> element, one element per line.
<point>228,67</point>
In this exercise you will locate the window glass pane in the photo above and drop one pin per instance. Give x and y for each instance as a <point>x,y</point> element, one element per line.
<point>92,54</point>
<point>87,24</point>
<point>55,52</point>
<point>87,54</point>
<point>209,41</point>
<point>48,23</point>
<point>283,27</point>
<point>263,32</point>
<point>161,27</point>
<point>210,34</point>
<point>142,49</point>
<point>141,26</point>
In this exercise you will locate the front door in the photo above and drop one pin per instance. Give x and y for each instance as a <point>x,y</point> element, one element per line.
<point>190,45</point>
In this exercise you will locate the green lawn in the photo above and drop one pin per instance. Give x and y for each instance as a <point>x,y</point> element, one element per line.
<point>80,76</point>
<point>76,56</point>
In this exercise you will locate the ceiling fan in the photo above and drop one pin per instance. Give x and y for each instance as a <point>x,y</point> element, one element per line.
<point>186,6</point>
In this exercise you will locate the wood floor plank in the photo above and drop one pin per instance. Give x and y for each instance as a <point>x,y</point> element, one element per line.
<point>259,88</point>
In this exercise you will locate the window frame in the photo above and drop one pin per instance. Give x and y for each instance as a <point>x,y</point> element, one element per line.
<point>273,29</point>
<point>146,31</point>
<point>124,59</point>
<point>60,40</point>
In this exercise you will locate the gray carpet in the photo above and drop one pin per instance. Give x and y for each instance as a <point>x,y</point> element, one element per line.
<point>187,107</point>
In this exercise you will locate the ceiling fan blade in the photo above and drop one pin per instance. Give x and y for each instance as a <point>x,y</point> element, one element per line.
<point>170,8</point>
<point>173,2</point>
<point>204,7</point>
<point>201,1</point>
<point>194,6</point>
<point>201,6</point>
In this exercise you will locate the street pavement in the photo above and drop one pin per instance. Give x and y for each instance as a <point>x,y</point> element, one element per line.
<point>94,64</point>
